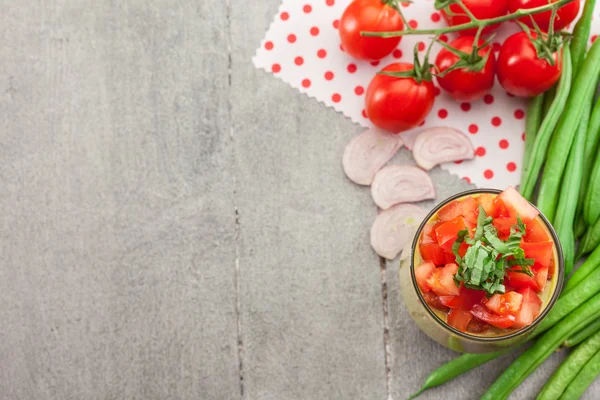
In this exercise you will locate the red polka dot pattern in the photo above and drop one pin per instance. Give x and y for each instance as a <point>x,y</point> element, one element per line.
<point>303,48</point>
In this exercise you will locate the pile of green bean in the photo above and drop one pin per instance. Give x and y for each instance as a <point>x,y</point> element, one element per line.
<point>561,158</point>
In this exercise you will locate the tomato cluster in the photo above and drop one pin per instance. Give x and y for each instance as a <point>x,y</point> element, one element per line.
<point>400,101</point>
<point>470,310</point>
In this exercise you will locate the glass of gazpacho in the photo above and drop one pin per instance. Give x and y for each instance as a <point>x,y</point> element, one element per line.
<point>485,269</point>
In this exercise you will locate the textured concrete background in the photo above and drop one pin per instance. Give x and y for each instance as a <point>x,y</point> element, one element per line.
<point>176,224</point>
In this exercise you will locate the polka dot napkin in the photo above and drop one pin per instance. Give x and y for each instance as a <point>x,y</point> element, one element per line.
<point>302,48</point>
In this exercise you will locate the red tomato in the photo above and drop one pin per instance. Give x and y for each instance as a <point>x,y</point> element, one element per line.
<point>459,319</point>
<point>541,252</point>
<point>503,225</point>
<point>429,232</point>
<point>564,16</point>
<point>481,9</point>
<point>518,205</point>
<point>450,211</point>
<point>441,281</point>
<point>434,301</point>
<point>422,273</point>
<point>520,280</point>
<point>447,233</point>
<point>499,321</point>
<point>521,72</point>
<point>487,202</point>
<point>398,104</point>
<point>465,300</point>
<point>462,84</point>
<point>502,304</point>
<point>373,16</point>
<point>541,278</point>
<point>535,232</point>
<point>478,326</point>
<point>530,308</point>
<point>467,208</point>
<point>500,209</point>
<point>433,253</point>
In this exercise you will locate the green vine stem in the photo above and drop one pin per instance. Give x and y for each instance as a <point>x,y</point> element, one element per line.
<point>475,23</point>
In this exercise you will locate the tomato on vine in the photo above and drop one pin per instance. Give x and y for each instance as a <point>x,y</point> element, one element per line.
<point>373,16</point>
<point>528,66</point>
<point>465,71</point>
<point>402,101</point>
<point>454,14</point>
<point>564,15</point>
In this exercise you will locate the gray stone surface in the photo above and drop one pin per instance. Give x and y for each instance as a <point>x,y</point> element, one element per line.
<point>176,224</point>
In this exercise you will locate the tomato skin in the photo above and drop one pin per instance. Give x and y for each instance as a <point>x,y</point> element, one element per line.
<point>441,281</point>
<point>398,104</point>
<point>422,274</point>
<point>374,16</point>
<point>433,301</point>
<point>537,282</point>
<point>518,205</point>
<point>564,16</point>
<point>481,9</point>
<point>535,232</point>
<point>447,233</point>
<point>465,300</point>
<point>461,84</point>
<point>521,72</point>
<point>541,252</point>
<point>486,201</point>
<point>503,304</point>
<point>499,321</point>
<point>478,326</point>
<point>459,319</point>
<point>433,253</point>
<point>530,308</point>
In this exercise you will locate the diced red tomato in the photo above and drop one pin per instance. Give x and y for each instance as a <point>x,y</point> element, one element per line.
<point>478,326</point>
<point>470,210</point>
<point>465,300</point>
<point>434,301</point>
<point>428,235</point>
<point>502,304</point>
<point>447,233</point>
<point>541,278</point>
<point>432,252</point>
<point>487,202</point>
<point>503,225</point>
<point>517,203</point>
<point>535,232</point>
<point>441,281</point>
<point>541,252</point>
<point>530,308</point>
<point>500,209</point>
<point>422,273</point>
<point>459,319</point>
<point>520,280</point>
<point>499,321</point>
<point>450,211</point>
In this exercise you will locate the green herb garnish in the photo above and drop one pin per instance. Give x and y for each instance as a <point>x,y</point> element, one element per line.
<point>488,258</point>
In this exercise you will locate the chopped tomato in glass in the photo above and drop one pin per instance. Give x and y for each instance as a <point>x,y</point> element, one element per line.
<point>487,202</point>
<point>422,274</point>
<point>541,278</point>
<point>530,308</point>
<point>541,252</point>
<point>478,326</point>
<point>499,321</point>
<point>441,281</point>
<point>520,280</point>
<point>465,300</point>
<point>503,225</point>
<point>535,232</point>
<point>459,319</point>
<point>447,233</point>
<point>517,204</point>
<point>432,252</point>
<point>434,301</point>
<point>502,304</point>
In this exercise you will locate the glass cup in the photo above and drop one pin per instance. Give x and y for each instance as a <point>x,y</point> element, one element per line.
<point>432,321</point>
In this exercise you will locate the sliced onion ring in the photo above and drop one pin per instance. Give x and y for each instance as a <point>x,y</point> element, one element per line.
<point>394,230</point>
<point>397,184</point>
<point>434,146</point>
<point>367,153</point>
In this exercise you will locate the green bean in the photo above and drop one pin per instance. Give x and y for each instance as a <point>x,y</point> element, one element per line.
<point>582,94</point>
<point>583,334</point>
<point>454,368</point>
<point>532,168</point>
<point>591,149</point>
<point>584,379</point>
<point>527,362</point>
<point>532,125</point>
<point>549,97</point>
<point>590,240</point>
<point>581,34</point>
<point>569,195</point>
<point>569,369</point>
<point>580,226</point>
<point>570,300</point>
<point>590,265</point>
